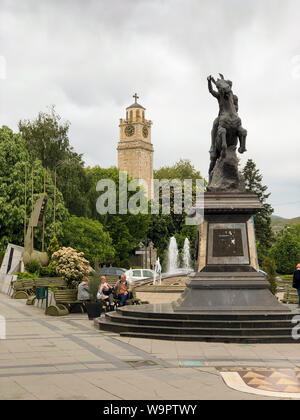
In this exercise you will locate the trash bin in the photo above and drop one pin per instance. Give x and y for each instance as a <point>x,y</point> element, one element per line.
<point>41,293</point>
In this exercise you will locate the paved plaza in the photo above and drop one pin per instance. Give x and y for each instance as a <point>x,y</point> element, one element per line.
<point>67,358</point>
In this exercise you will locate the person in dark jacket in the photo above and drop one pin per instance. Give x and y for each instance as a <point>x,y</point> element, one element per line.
<point>296,281</point>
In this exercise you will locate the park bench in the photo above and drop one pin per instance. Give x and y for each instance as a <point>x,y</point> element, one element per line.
<point>22,289</point>
<point>41,288</point>
<point>112,280</point>
<point>65,302</point>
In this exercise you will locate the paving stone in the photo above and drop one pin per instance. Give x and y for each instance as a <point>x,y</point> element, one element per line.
<point>67,358</point>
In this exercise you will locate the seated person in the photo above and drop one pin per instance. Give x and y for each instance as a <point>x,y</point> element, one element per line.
<point>83,290</point>
<point>122,289</point>
<point>106,291</point>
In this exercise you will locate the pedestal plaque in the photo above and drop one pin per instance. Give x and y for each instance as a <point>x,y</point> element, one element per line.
<point>227,243</point>
<point>228,277</point>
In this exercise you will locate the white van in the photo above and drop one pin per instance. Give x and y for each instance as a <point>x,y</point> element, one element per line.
<point>140,274</point>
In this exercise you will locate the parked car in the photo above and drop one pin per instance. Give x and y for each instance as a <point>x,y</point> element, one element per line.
<point>112,274</point>
<point>112,271</point>
<point>140,274</point>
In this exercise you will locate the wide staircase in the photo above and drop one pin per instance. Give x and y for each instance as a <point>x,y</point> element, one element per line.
<point>161,322</point>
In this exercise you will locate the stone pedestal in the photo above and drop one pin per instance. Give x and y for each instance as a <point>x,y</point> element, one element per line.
<point>228,277</point>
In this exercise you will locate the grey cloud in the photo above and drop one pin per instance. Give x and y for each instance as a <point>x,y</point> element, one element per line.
<point>89,57</point>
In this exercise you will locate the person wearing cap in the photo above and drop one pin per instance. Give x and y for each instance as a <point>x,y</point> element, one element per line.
<point>296,281</point>
<point>122,289</point>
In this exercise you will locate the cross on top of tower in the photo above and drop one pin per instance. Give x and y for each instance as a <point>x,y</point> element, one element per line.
<point>135,104</point>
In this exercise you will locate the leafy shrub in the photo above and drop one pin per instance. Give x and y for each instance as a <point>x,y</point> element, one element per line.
<point>25,275</point>
<point>53,247</point>
<point>33,267</point>
<point>94,282</point>
<point>71,265</point>
<point>269,266</point>
<point>48,271</point>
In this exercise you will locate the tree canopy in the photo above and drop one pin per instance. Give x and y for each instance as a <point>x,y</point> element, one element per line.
<point>125,230</point>
<point>47,139</point>
<point>183,169</point>
<point>286,250</point>
<point>14,158</point>
<point>163,226</point>
<point>89,237</point>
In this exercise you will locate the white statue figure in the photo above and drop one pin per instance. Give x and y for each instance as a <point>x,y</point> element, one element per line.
<point>157,272</point>
<point>129,275</point>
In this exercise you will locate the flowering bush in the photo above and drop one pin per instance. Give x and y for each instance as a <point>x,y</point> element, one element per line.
<point>70,264</point>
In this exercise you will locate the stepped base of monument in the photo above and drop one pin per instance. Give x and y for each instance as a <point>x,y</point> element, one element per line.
<point>161,322</point>
<point>229,291</point>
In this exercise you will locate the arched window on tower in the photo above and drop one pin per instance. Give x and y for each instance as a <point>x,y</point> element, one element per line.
<point>143,116</point>
<point>127,115</point>
<point>131,115</point>
<point>138,117</point>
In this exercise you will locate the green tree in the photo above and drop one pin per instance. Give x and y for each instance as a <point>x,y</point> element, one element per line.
<point>46,139</point>
<point>74,184</point>
<point>183,169</point>
<point>295,228</point>
<point>94,282</point>
<point>262,220</point>
<point>14,158</point>
<point>126,230</point>
<point>53,246</point>
<point>269,266</point>
<point>163,227</point>
<point>89,237</point>
<point>286,251</point>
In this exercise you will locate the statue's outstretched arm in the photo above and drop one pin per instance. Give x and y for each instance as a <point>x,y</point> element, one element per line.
<point>210,88</point>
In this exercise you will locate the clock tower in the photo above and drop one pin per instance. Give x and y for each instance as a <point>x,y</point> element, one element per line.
<point>135,150</point>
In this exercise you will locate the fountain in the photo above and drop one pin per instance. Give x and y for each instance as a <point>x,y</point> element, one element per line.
<point>186,255</point>
<point>173,267</point>
<point>173,257</point>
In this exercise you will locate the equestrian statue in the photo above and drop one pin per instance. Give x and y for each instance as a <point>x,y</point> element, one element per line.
<point>226,132</point>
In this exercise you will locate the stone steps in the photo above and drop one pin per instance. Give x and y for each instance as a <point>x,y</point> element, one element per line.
<point>165,311</point>
<point>161,322</point>
<point>205,323</point>
<point>216,339</point>
<point>192,331</point>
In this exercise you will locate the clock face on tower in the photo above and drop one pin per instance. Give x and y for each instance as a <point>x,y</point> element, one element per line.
<point>129,130</point>
<point>145,131</point>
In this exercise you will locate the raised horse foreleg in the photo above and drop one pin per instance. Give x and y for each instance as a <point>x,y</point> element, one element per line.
<point>242,135</point>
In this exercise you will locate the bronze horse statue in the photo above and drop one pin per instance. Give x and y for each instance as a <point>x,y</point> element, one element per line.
<point>227,128</point>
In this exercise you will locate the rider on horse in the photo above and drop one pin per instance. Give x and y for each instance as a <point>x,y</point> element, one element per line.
<point>227,126</point>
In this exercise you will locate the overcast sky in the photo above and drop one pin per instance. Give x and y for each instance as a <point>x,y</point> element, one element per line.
<point>88,57</point>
